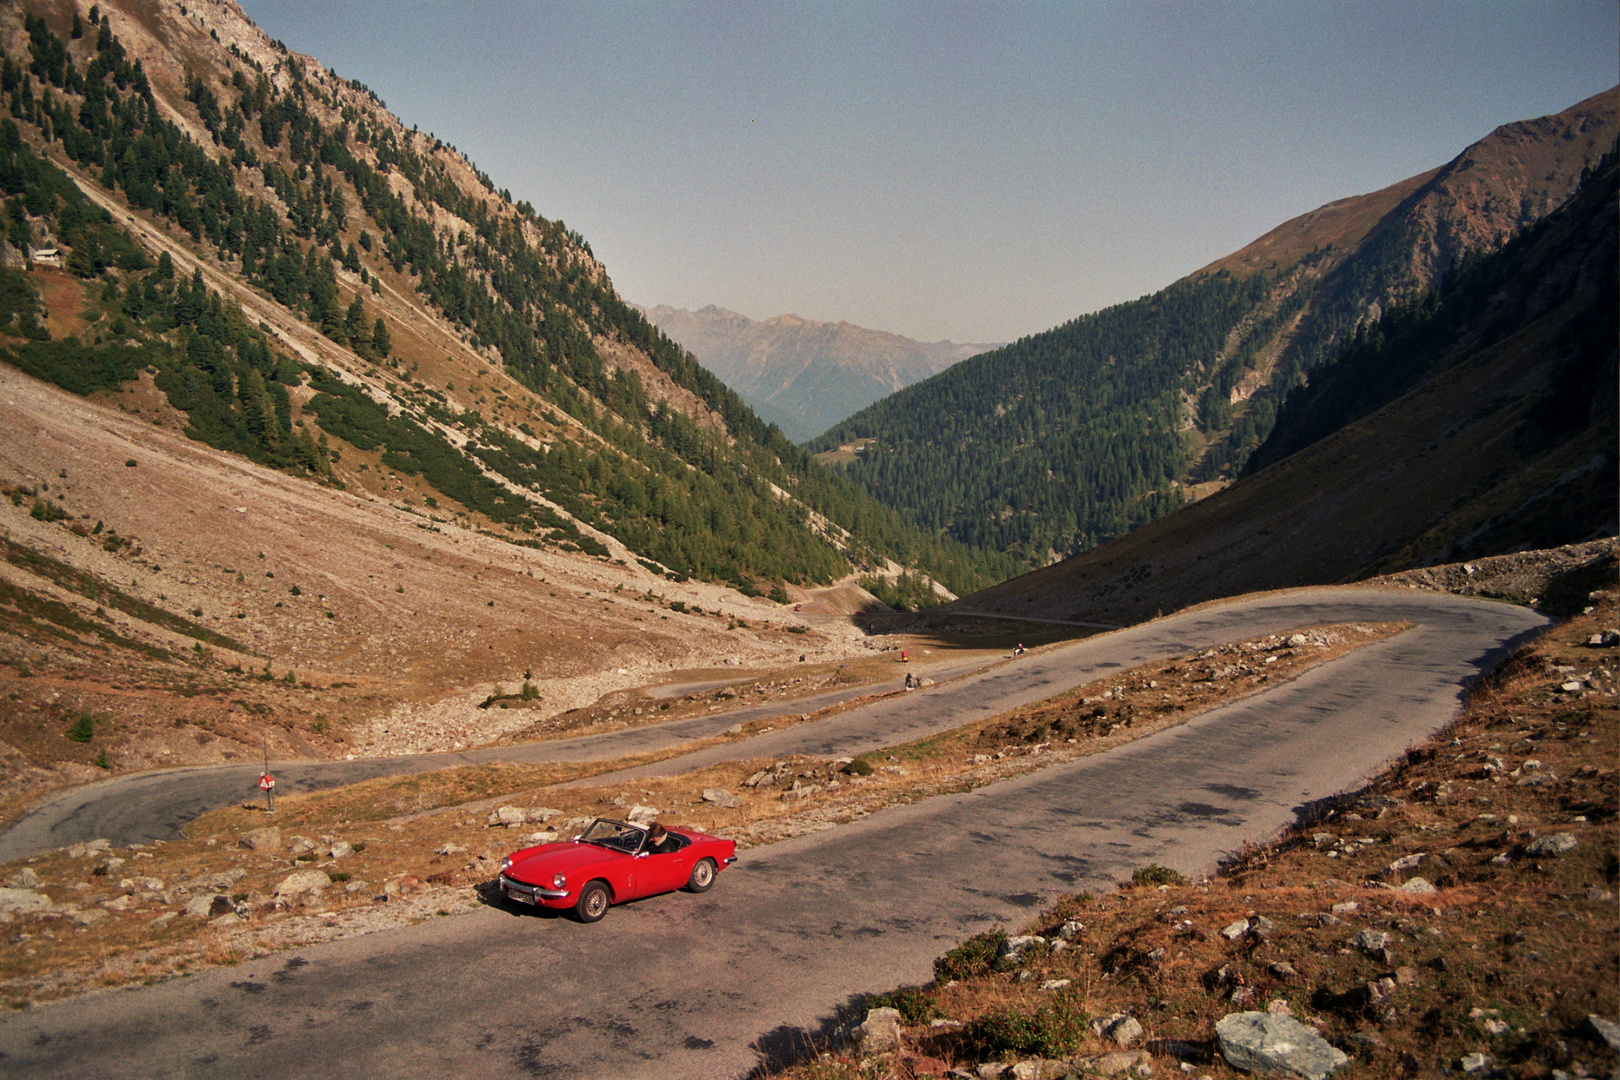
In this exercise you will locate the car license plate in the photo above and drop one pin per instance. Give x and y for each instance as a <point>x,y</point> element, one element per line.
<point>520,896</point>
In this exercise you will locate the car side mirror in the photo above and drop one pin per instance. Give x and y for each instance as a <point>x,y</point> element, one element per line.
<point>641,855</point>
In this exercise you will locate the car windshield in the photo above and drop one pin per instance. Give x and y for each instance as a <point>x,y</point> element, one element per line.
<point>614,834</point>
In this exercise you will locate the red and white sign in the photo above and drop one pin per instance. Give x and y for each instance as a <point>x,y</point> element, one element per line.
<point>266,782</point>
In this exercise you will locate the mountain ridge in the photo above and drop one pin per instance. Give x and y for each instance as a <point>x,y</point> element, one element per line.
<point>1068,438</point>
<point>1480,420</point>
<point>809,373</point>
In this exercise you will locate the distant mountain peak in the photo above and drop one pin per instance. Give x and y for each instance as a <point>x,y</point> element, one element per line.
<point>802,374</point>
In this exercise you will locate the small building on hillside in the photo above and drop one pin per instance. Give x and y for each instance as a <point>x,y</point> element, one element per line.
<point>45,256</point>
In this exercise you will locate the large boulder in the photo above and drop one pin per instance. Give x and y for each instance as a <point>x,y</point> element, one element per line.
<point>514,816</point>
<point>23,901</point>
<point>301,883</point>
<point>879,1032</point>
<point>1012,953</point>
<point>208,907</point>
<point>1274,1045</point>
<point>721,797</point>
<point>1119,1028</point>
<point>265,839</point>
<point>1556,844</point>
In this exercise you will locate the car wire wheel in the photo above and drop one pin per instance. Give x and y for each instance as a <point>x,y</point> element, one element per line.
<point>593,902</point>
<point>702,876</point>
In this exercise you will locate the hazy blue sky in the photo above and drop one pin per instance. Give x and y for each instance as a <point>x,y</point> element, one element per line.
<point>961,170</point>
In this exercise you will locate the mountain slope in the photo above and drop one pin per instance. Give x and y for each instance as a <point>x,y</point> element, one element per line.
<point>806,375</point>
<point>314,442</point>
<point>321,272</point>
<point>1497,433</point>
<point>1065,439</point>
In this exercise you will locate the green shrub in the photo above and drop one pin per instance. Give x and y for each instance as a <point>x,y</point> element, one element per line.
<point>859,767</point>
<point>971,958</point>
<point>83,729</point>
<point>913,1002</point>
<point>1155,874</point>
<point>101,760</point>
<point>1050,1031</point>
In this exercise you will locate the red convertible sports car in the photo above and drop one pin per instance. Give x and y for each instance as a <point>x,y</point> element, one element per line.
<point>612,862</point>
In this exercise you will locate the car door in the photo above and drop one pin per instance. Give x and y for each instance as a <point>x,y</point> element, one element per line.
<point>661,873</point>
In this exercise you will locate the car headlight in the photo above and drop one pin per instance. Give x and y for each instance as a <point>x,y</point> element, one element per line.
<point>559,881</point>
<point>506,864</point>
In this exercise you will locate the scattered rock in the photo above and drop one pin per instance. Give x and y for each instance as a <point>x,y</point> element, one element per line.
<point>1284,970</point>
<point>1607,1030</point>
<point>879,1032</point>
<point>1276,1046</point>
<point>1055,984</point>
<point>23,901</point>
<point>721,797</point>
<point>265,839</point>
<point>340,849</point>
<point>87,848</point>
<point>299,845</point>
<point>642,815</point>
<point>1370,941</point>
<point>1233,931</point>
<point>1070,930</point>
<point>1118,1063</point>
<point>209,907</point>
<point>1556,844</point>
<point>403,885</point>
<point>1012,952</point>
<point>449,849</point>
<point>1406,862</point>
<point>513,816</point>
<point>23,879</point>
<point>1476,1062</point>
<point>1122,1029</point>
<point>89,917</point>
<point>1416,887</point>
<point>219,882</point>
<point>302,882</point>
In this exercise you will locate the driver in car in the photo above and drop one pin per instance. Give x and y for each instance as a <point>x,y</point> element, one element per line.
<point>659,842</point>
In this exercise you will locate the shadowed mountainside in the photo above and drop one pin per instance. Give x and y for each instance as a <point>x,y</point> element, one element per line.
<point>1478,421</point>
<point>1062,440</point>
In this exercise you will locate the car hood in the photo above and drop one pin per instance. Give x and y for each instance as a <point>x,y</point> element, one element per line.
<point>536,865</point>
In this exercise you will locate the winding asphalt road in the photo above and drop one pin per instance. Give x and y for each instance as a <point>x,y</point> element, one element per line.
<point>683,986</point>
